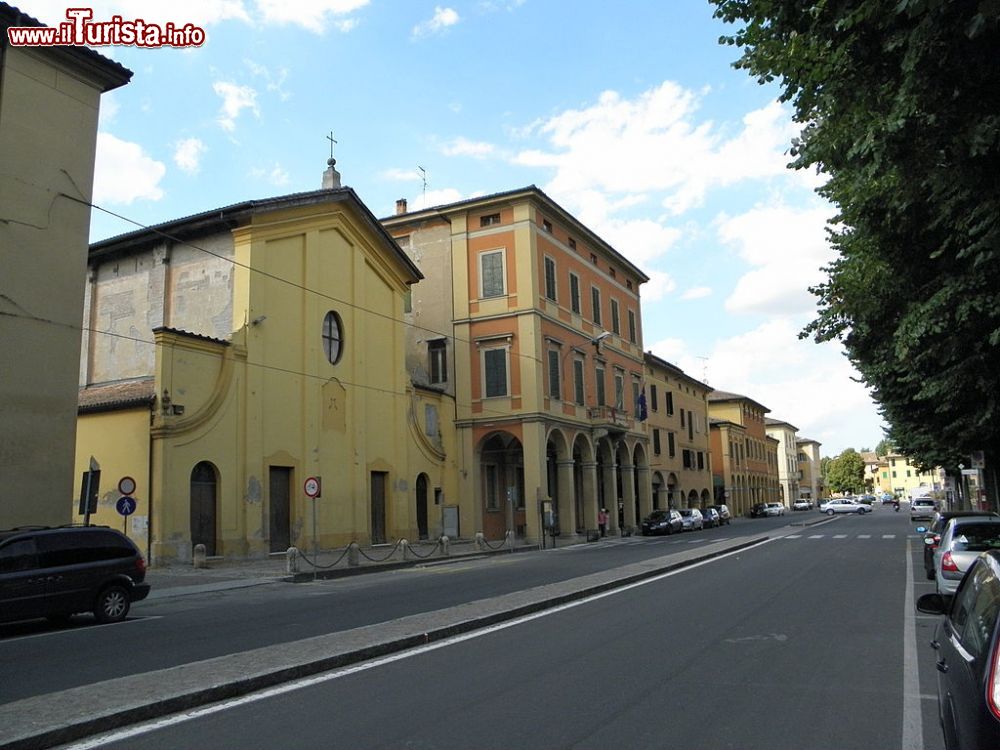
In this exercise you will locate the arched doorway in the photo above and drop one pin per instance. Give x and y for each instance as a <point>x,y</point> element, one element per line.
<point>204,498</point>
<point>422,506</point>
<point>692,501</point>
<point>502,471</point>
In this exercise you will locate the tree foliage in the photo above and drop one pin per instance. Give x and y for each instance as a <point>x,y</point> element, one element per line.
<point>884,447</point>
<point>846,472</point>
<point>899,103</point>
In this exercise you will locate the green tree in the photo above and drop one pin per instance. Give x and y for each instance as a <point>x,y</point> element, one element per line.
<point>884,447</point>
<point>846,472</point>
<point>899,103</point>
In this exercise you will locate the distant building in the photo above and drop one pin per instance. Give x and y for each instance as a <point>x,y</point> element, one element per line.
<point>680,459</point>
<point>49,101</point>
<point>906,480</point>
<point>742,458</point>
<point>811,485</point>
<point>787,459</point>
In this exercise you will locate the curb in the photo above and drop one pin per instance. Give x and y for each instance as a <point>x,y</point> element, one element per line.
<point>71,714</point>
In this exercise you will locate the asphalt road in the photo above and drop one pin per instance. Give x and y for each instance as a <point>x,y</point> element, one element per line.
<point>40,658</point>
<point>808,641</point>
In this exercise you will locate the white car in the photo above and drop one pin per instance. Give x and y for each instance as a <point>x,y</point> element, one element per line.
<point>802,505</point>
<point>843,505</point>
<point>774,509</point>
<point>922,507</point>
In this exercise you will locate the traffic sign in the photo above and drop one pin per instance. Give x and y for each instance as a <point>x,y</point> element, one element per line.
<point>125,506</point>
<point>313,487</point>
<point>126,485</point>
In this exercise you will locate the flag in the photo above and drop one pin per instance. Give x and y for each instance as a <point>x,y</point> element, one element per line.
<point>640,410</point>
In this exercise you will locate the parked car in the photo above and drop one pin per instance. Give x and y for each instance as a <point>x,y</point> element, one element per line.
<point>962,541</point>
<point>759,510</point>
<point>967,642</point>
<point>922,507</point>
<point>932,533</point>
<point>692,519</point>
<point>868,500</point>
<point>801,504</point>
<point>724,515</point>
<point>774,509</point>
<point>843,505</point>
<point>888,499</point>
<point>58,572</point>
<point>662,522</point>
<point>710,517</point>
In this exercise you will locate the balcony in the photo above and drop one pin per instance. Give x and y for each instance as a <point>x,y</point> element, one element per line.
<point>615,421</point>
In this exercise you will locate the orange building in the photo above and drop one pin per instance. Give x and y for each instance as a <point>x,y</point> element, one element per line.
<point>531,322</point>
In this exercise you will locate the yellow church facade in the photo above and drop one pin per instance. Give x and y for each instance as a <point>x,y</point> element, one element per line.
<point>232,355</point>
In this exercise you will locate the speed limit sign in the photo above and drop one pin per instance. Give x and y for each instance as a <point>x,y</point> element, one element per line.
<point>312,487</point>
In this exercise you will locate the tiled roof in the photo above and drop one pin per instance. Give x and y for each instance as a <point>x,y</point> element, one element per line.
<point>120,394</point>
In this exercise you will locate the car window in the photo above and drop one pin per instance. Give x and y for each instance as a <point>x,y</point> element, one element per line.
<point>21,554</point>
<point>74,547</point>
<point>977,537</point>
<point>976,609</point>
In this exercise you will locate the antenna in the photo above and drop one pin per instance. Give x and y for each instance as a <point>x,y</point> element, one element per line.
<point>423,176</point>
<point>704,369</point>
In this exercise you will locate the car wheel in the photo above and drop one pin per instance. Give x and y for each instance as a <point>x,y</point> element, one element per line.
<point>112,604</point>
<point>861,511</point>
<point>829,512</point>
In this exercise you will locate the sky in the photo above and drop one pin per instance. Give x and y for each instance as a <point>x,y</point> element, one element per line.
<point>629,115</point>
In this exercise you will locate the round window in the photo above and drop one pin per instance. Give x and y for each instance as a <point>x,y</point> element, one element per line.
<point>333,342</point>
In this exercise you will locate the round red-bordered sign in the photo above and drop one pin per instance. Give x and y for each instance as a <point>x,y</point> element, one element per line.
<point>126,485</point>
<point>312,487</point>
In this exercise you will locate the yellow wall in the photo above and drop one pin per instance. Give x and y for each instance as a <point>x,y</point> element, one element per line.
<point>48,125</point>
<point>119,441</point>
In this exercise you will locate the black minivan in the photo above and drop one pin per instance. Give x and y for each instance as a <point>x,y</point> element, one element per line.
<point>55,572</point>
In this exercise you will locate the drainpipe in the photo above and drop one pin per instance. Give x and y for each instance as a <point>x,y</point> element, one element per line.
<point>149,500</point>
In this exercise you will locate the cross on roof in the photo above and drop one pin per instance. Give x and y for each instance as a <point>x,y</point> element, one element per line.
<point>333,142</point>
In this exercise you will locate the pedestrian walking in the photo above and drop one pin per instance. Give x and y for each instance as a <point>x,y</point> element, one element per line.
<point>602,521</point>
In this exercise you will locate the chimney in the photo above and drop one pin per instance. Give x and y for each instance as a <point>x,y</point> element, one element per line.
<point>401,206</point>
<point>331,177</point>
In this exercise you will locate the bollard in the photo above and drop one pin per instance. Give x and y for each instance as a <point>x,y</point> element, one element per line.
<point>200,556</point>
<point>403,546</point>
<point>353,558</point>
<point>445,542</point>
<point>480,541</point>
<point>292,560</point>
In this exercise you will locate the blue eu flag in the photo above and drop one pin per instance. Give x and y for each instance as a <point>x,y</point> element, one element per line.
<point>641,407</point>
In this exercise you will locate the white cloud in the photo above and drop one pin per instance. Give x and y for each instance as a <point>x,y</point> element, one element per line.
<point>660,284</point>
<point>812,386</point>
<point>464,147</point>
<point>276,175</point>
<point>108,109</point>
<point>436,198</point>
<point>697,292</point>
<point>786,248</point>
<point>442,19</point>
<point>312,15</point>
<point>273,81</point>
<point>124,172</point>
<point>234,100</point>
<point>400,175</point>
<point>188,153</point>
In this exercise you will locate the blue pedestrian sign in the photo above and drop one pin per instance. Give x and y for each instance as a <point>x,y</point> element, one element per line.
<point>125,506</point>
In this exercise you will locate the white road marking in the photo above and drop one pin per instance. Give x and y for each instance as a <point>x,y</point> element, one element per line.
<point>888,536</point>
<point>864,536</point>
<point>840,536</point>
<point>794,536</point>
<point>817,536</point>
<point>913,729</point>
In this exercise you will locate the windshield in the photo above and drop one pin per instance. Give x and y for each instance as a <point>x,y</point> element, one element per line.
<point>658,515</point>
<point>686,512</point>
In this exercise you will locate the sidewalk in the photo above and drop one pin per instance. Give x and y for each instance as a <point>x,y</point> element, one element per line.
<point>48,720</point>
<point>179,579</point>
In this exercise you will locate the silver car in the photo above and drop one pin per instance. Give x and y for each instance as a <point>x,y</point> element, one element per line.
<point>843,505</point>
<point>692,519</point>
<point>963,539</point>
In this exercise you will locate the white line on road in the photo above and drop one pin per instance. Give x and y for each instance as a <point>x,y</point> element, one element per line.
<point>913,728</point>
<point>817,536</point>
<point>137,730</point>
<point>793,536</point>
<point>888,536</point>
<point>864,536</point>
<point>840,536</point>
